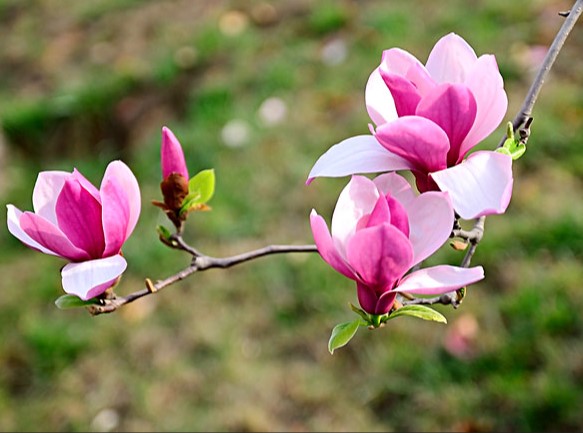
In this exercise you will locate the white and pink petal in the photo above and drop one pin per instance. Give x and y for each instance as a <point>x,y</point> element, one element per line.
<point>91,278</point>
<point>438,280</point>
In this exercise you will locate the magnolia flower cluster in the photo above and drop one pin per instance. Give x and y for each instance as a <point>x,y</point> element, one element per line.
<point>427,118</point>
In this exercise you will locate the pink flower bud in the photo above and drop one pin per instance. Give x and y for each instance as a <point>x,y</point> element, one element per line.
<point>171,155</point>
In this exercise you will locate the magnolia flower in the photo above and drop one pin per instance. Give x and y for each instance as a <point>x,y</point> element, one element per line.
<point>380,230</point>
<point>428,117</point>
<point>172,155</point>
<point>74,220</point>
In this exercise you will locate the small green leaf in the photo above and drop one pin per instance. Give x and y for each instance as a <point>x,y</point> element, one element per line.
<point>71,301</point>
<point>201,187</point>
<point>163,232</point>
<point>419,311</point>
<point>342,334</point>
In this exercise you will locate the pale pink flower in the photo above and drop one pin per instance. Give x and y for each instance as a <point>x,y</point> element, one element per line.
<point>87,227</point>
<point>381,229</point>
<point>428,117</point>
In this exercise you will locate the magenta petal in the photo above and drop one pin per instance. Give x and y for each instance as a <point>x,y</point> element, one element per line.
<point>450,59</point>
<point>453,108</point>
<point>121,205</point>
<point>359,154</point>
<point>481,185</point>
<point>46,190</point>
<point>367,297</point>
<point>172,155</point>
<point>79,218</point>
<point>13,220</point>
<point>88,186</point>
<point>379,101</point>
<point>50,237</point>
<point>381,214</point>
<point>380,255</point>
<point>487,86</point>
<point>405,94</point>
<point>326,246</point>
<point>416,139</point>
<point>431,219</point>
<point>115,215</point>
<point>127,181</point>
<point>400,62</point>
<point>385,302</point>
<point>439,279</point>
<point>91,278</point>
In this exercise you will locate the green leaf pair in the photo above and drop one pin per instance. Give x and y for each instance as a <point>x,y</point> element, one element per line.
<point>343,332</point>
<point>512,147</point>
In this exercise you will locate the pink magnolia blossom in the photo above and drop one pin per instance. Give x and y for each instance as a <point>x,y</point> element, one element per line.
<point>84,225</point>
<point>381,229</point>
<point>171,155</point>
<point>428,117</point>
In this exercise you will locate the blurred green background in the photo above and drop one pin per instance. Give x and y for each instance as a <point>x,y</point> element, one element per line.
<point>258,90</point>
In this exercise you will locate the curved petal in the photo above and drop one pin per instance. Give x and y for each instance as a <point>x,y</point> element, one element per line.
<point>400,62</point>
<point>405,95</point>
<point>399,217</point>
<point>172,155</point>
<point>379,101</point>
<point>397,186</point>
<point>326,246</point>
<point>381,214</point>
<point>50,237</point>
<point>46,190</point>
<point>450,59</point>
<point>380,255</point>
<point>453,108</point>
<point>357,199</point>
<point>115,215</point>
<point>416,139</point>
<point>359,154</point>
<point>13,219</point>
<point>91,278</point>
<point>481,185</point>
<point>125,178</point>
<point>371,302</point>
<point>439,279</point>
<point>88,186</point>
<point>431,222</point>
<point>486,83</point>
<point>79,218</point>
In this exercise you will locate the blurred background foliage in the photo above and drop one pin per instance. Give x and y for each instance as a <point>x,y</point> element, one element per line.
<point>258,90</point>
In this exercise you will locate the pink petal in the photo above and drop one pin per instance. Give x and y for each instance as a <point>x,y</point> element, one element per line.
<point>379,101</point>
<point>91,278</point>
<point>439,279</point>
<point>381,214</point>
<point>50,237</point>
<point>121,205</point>
<point>399,217</point>
<point>400,62</point>
<point>79,218</point>
<point>13,219</point>
<point>380,255</point>
<point>453,108</point>
<point>397,186</point>
<point>485,82</point>
<point>88,186</point>
<point>326,246</point>
<point>431,219</point>
<point>171,155</point>
<point>373,302</point>
<point>481,185</point>
<point>405,94</point>
<point>416,139</point>
<point>450,59</point>
<point>125,178</point>
<point>46,190</point>
<point>359,154</point>
<point>356,200</point>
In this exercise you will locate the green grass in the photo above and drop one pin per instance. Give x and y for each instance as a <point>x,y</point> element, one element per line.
<point>245,349</point>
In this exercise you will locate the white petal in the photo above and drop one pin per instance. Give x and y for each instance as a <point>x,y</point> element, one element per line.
<point>379,101</point>
<point>359,154</point>
<point>80,278</point>
<point>13,220</point>
<point>439,279</point>
<point>481,185</point>
<point>47,188</point>
<point>357,199</point>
